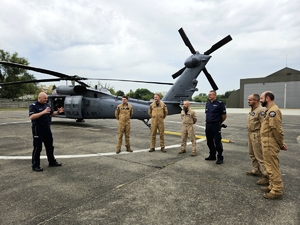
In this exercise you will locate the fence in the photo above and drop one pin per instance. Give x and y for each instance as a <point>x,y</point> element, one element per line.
<point>8,104</point>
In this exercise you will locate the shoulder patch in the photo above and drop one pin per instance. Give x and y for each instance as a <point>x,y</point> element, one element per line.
<point>272,114</point>
<point>262,113</point>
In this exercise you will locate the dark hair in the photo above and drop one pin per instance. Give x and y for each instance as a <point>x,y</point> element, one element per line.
<point>125,96</point>
<point>256,97</point>
<point>213,91</point>
<point>270,95</point>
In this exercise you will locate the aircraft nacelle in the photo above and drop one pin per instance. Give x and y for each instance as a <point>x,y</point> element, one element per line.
<point>71,90</point>
<point>195,60</point>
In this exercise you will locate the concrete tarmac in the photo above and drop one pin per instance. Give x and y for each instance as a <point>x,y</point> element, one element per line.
<point>96,186</point>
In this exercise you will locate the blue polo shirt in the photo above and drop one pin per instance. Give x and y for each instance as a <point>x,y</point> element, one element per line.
<point>214,111</point>
<point>37,107</point>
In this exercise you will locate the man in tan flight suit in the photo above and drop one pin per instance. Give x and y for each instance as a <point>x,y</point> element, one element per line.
<point>254,120</point>
<point>157,112</point>
<point>123,114</point>
<point>188,118</point>
<point>272,141</point>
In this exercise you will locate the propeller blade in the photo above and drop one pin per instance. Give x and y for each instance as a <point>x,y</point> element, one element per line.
<point>210,79</point>
<point>178,73</point>
<point>137,81</point>
<point>50,72</point>
<point>29,81</point>
<point>218,45</point>
<point>186,41</point>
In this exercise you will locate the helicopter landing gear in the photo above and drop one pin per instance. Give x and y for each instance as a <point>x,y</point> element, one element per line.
<point>146,122</point>
<point>80,120</point>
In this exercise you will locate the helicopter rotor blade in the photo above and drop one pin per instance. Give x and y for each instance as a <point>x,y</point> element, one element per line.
<point>218,45</point>
<point>29,81</point>
<point>137,81</point>
<point>178,73</point>
<point>210,79</point>
<point>186,41</point>
<point>50,72</point>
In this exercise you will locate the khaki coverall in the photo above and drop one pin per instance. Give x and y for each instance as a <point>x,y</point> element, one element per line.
<point>254,120</point>
<point>123,114</point>
<point>157,113</point>
<point>188,120</point>
<point>272,141</point>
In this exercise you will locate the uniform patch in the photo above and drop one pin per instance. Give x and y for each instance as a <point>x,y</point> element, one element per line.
<point>262,113</point>
<point>253,113</point>
<point>272,114</point>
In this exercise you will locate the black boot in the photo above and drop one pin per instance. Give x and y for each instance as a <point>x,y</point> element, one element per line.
<point>220,160</point>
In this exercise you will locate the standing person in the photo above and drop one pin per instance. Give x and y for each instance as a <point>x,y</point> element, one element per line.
<point>123,114</point>
<point>188,118</point>
<point>272,141</point>
<point>157,112</point>
<point>40,114</point>
<point>254,120</point>
<point>215,111</point>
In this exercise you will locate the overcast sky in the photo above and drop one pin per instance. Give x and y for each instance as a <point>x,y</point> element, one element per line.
<point>139,39</point>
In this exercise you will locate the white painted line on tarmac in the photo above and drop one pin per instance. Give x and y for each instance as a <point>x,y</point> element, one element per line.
<point>15,122</point>
<point>92,155</point>
<point>96,154</point>
<point>170,121</point>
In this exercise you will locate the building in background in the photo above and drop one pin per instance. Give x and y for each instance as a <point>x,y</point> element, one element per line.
<point>285,84</point>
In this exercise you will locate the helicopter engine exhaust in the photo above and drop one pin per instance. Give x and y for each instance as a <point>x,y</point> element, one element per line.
<point>70,90</point>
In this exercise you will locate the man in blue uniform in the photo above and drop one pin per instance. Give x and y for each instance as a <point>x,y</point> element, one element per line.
<point>40,114</point>
<point>215,115</point>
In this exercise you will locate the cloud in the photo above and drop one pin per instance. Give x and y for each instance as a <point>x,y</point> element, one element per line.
<point>140,40</point>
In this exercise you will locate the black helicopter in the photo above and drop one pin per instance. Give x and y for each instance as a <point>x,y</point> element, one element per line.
<point>83,102</point>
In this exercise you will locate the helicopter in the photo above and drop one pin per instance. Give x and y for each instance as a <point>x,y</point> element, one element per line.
<point>83,102</point>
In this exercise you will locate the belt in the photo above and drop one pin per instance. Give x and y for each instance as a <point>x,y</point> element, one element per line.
<point>212,122</point>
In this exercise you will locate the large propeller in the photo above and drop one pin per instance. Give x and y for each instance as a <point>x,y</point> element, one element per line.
<point>40,70</point>
<point>64,76</point>
<point>208,52</point>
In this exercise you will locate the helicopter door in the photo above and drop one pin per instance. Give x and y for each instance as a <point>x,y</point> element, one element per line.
<point>73,106</point>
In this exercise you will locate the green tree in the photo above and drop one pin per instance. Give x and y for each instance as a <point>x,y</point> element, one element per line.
<point>119,93</point>
<point>10,74</point>
<point>108,87</point>
<point>202,97</point>
<point>131,94</point>
<point>143,94</point>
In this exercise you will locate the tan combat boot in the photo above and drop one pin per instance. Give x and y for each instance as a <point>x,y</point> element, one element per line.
<point>263,181</point>
<point>128,149</point>
<point>118,151</point>
<point>163,149</point>
<point>182,151</point>
<point>265,189</point>
<point>193,154</point>
<point>272,196</point>
<point>250,173</point>
<point>152,150</point>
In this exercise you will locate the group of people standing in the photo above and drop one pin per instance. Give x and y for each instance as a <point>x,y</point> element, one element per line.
<point>265,140</point>
<point>265,133</point>
<point>215,115</point>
